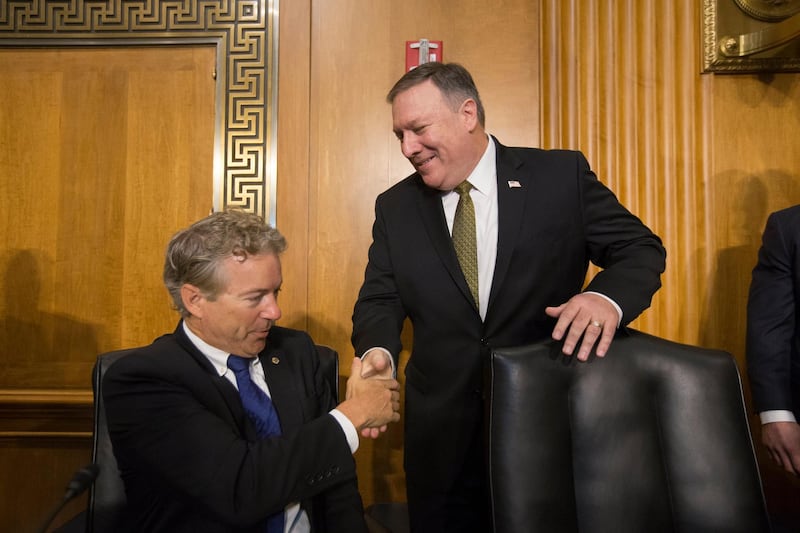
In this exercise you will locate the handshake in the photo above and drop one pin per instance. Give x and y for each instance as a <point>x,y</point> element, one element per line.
<point>370,403</point>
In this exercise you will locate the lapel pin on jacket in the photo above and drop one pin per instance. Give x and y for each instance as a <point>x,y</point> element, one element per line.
<point>275,360</point>
<point>514,184</point>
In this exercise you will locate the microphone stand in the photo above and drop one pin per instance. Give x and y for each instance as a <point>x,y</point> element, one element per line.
<point>81,480</point>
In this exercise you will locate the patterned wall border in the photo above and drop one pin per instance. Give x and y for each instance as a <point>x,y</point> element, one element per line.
<point>245,33</point>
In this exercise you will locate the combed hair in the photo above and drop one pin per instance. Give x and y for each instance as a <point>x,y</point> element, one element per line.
<point>453,80</point>
<point>195,254</point>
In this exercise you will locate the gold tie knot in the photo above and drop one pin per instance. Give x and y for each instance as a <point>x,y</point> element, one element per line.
<point>463,188</point>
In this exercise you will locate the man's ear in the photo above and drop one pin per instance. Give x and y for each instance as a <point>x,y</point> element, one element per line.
<point>469,114</point>
<point>193,299</point>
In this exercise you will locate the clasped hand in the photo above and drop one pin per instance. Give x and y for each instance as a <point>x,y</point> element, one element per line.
<point>370,403</point>
<point>376,365</point>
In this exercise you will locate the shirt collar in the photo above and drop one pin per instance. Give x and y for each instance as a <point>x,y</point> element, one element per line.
<point>217,357</point>
<point>484,176</point>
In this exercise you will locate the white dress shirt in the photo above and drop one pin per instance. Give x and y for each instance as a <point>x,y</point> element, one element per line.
<point>767,417</point>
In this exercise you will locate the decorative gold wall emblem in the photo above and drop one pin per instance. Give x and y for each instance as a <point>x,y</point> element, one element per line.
<point>245,35</point>
<point>751,35</point>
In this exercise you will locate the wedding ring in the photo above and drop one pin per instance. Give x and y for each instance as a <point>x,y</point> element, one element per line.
<point>597,324</point>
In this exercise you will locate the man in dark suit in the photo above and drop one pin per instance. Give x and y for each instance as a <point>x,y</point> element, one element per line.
<point>196,457</point>
<point>773,337</point>
<point>539,218</point>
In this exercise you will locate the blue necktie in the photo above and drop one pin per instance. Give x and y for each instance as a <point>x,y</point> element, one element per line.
<point>262,413</point>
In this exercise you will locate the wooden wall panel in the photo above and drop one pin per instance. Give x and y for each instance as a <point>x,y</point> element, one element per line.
<point>701,158</point>
<point>753,127</point>
<point>293,149</point>
<point>95,175</point>
<point>35,477</point>
<point>104,154</point>
<point>633,102</point>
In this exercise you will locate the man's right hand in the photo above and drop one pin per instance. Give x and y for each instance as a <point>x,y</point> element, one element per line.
<point>782,440</point>
<point>376,364</point>
<point>370,403</point>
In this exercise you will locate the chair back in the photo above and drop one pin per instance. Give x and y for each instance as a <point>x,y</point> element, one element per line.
<point>652,437</point>
<point>107,502</point>
<point>106,507</point>
<point>329,365</point>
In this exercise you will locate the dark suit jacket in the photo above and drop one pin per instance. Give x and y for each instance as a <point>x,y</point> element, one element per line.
<point>549,228</point>
<point>190,457</point>
<point>773,317</point>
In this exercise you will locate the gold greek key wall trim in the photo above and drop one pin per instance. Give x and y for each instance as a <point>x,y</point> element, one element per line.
<point>245,33</point>
<point>751,36</point>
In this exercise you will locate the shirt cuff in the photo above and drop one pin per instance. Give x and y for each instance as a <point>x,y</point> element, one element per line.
<point>388,354</point>
<point>612,302</point>
<point>349,429</point>
<point>767,417</point>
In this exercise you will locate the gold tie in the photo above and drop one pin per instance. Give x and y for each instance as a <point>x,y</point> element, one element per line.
<point>464,238</point>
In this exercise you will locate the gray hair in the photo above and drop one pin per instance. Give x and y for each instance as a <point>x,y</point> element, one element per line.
<point>194,255</point>
<point>453,80</point>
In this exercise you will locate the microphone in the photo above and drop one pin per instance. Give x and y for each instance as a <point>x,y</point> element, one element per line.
<point>81,480</point>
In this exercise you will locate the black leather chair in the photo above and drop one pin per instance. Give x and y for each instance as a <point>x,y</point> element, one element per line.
<point>653,437</point>
<point>106,507</point>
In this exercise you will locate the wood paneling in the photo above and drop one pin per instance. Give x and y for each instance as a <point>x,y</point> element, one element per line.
<point>753,127</point>
<point>293,151</point>
<point>703,159</point>
<point>35,476</point>
<point>105,154</point>
<point>633,102</point>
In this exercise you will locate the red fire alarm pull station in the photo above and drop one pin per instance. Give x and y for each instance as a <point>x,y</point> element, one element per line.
<point>422,51</point>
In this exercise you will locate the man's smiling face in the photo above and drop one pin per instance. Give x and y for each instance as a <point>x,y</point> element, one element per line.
<point>436,138</point>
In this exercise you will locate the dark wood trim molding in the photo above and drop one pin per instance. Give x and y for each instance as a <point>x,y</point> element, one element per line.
<point>45,414</point>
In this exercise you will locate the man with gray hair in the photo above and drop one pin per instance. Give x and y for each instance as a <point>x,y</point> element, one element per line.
<point>227,424</point>
<point>484,246</point>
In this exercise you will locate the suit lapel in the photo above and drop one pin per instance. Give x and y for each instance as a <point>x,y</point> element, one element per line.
<point>279,379</point>
<point>226,390</point>
<point>432,215</point>
<point>511,195</point>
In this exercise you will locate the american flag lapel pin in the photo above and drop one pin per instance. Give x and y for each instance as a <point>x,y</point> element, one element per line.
<point>514,184</point>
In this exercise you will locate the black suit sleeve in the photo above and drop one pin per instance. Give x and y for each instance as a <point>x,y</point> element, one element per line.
<point>632,257</point>
<point>771,319</point>
<point>379,313</point>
